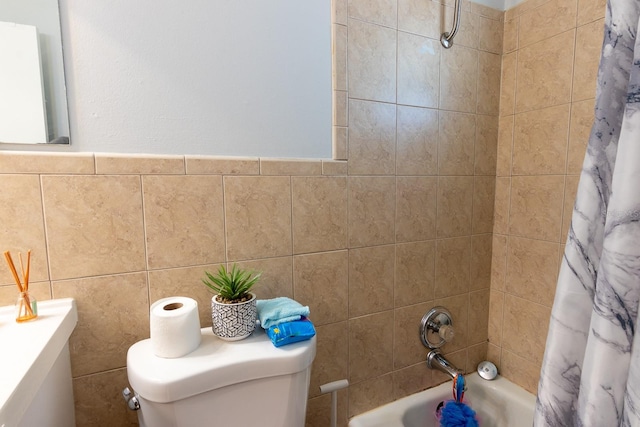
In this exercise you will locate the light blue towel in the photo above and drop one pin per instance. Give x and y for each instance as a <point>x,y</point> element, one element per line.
<point>278,310</point>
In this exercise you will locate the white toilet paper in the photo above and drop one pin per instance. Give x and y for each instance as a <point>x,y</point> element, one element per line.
<point>174,327</point>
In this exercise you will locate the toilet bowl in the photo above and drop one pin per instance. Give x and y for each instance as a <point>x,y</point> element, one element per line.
<point>221,383</point>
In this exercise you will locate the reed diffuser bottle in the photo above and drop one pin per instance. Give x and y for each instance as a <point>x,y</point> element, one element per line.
<point>26,306</point>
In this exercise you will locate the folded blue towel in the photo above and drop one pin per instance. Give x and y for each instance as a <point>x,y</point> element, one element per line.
<point>279,310</point>
<point>290,332</point>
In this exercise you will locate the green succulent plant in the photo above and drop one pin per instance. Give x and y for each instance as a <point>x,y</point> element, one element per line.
<point>233,285</point>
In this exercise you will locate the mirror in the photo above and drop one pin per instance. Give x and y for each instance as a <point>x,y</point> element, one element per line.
<point>44,15</point>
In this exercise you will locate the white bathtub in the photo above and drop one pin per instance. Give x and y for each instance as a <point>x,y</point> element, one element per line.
<point>498,403</point>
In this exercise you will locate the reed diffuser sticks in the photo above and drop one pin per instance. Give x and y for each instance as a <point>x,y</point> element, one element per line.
<point>25,307</point>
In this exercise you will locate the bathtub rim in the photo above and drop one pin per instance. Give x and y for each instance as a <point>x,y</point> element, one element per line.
<point>499,385</point>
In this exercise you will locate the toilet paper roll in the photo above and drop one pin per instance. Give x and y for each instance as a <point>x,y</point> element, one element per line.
<point>174,327</point>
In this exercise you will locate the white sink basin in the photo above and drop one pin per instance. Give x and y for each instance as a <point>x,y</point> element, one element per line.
<point>33,355</point>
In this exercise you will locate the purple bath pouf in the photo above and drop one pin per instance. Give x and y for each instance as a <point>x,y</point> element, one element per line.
<point>456,414</point>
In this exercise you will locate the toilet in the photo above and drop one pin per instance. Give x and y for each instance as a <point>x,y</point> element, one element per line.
<point>221,383</point>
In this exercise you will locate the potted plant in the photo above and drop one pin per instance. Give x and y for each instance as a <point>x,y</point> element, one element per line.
<point>233,308</point>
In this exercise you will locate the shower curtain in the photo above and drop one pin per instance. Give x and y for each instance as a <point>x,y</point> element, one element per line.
<point>591,369</point>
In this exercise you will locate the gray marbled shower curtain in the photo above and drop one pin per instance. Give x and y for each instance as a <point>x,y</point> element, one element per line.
<point>591,370</point>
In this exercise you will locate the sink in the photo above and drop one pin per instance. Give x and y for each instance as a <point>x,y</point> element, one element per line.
<point>35,368</point>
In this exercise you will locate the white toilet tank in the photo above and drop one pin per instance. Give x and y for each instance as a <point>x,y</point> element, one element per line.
<point>221,383</point>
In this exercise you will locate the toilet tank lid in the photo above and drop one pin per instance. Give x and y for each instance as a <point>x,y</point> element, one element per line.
<point>214,364</point>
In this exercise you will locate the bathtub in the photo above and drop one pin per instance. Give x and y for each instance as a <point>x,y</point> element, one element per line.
<point>498,403</point>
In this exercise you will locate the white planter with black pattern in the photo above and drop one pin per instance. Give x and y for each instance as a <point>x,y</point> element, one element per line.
<point>233,322</point>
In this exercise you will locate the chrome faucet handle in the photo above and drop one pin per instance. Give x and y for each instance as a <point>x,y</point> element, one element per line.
<point>436,328</point>
<point>446,332</point>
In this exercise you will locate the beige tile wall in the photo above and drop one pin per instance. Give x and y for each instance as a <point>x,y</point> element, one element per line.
<point>549,68</point>
<point>363,251</point>
<point>119,232</point>
<point>421,126</point>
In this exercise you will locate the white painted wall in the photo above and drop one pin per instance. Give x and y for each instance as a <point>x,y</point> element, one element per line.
<point>499,4</point>
<point>211,77</point>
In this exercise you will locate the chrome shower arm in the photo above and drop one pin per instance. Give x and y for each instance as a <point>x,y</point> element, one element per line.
<point>447,38</point>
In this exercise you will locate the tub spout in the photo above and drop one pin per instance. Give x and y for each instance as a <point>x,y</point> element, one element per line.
<point>435,360</point>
